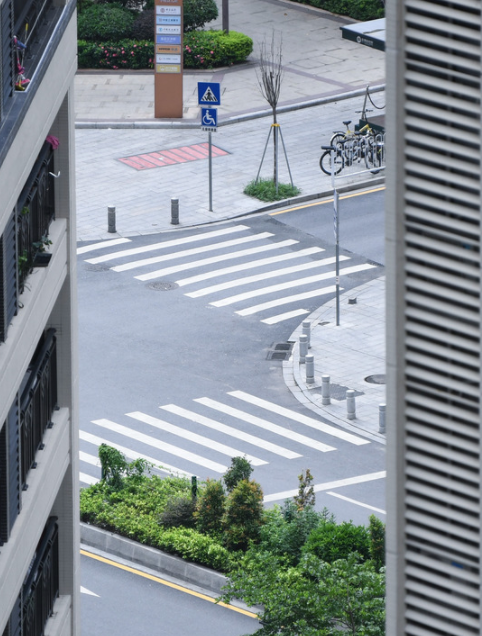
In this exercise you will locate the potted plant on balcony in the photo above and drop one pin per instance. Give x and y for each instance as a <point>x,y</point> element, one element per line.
<point>41,258</point>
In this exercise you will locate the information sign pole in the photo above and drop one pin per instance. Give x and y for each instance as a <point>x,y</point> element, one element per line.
<point>210,171</point>
<point>168,63</point>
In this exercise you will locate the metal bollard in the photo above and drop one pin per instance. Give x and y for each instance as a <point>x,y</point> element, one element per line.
<point>174,211</point>
<point>310,368</point>
<point>325,389</point>
<point>306,325</point>
<point>350,404</point>
<point>111,219</point>
<point>303,348</point>
<point>381,417</point>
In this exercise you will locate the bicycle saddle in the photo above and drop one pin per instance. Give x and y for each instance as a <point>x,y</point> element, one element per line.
<point>347,122</point>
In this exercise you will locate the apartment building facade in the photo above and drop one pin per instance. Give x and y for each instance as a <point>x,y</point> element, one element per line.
<point>433,218</point>
<point>39,541</point>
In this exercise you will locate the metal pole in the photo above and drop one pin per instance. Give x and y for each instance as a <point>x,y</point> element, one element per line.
<point>174,211</point>
<point>210,172</point>
<point>226,16</point>
<point>337,257</point>
<point>111,219</point>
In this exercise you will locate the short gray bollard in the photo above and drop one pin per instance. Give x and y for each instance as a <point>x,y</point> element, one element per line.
<point>381,417</point>
<point>325,390</point>
<point>111,219</point>
<point>174,211</point>
<point>306,326</point>
<point>303,348</point>
<point>350,404</point>
<point>310,368</point>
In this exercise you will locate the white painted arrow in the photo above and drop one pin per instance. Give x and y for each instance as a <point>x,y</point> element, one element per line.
<point>84,590</point>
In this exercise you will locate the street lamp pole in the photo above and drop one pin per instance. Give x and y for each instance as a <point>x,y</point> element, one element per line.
<point>336,232</point>
<point>226,16</point>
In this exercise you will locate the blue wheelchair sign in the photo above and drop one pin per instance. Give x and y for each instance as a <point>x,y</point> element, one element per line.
<point>209,118</point>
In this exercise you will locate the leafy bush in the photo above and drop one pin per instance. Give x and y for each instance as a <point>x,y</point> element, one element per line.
<point>243,517</point>
<point>210,508</point>
<point>330,541</point>
<point>356,9</point>
<point>240,469</point>
<point>143,26</point>
<point>127,54</point>
<point>178,512</point>
<point>105,22</point>
<point>193,546</point>
<point>209,49</point>
<point>132,5</point>
<point>265,190</point>
<point>198,12</point>
<point>377,542</point>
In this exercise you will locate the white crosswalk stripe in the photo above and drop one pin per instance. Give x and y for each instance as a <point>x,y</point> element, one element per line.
<point>163,446</point>
<point>298,417</point>
<point>193,437</point>
<point>256,278</point>
<point>166,244</point>
<point>216,259</point>
<point>286,316</point>
<point>229,430</point>
<point>102,245</point>
<point>265,424</point>
<point>192,252</point>
<point>87,479</point>
<point>286,300</point>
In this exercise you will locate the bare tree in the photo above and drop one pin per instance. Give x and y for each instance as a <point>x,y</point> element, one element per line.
<point>269,75</point>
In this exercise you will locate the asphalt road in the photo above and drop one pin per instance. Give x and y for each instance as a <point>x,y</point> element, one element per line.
<point>165,360</point>
<point>129,603</point>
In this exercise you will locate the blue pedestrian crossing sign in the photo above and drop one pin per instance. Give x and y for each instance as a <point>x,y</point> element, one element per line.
<point>209,93</point>
<point>209,118</point>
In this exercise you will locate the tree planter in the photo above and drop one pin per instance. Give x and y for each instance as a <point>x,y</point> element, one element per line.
<point>42,259</point>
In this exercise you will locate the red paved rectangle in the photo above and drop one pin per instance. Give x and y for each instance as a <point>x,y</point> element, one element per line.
<point>171,156</point>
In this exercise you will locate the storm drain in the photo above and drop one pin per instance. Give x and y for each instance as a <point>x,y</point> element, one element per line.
<point>338,392</point>
<point>162,285</point>
<point>280,351</point>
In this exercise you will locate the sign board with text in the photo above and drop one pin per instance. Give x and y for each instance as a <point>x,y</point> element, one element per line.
<point>168,67</point>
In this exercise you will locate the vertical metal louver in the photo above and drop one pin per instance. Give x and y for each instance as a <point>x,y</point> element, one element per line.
<point>442,291</point>
<point>8,276</point>
<point>7,68</point>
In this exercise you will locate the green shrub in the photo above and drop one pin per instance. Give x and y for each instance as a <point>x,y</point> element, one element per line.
<point>178,512</point>
<point>243,516</point>
<point>198,12</point>
<point>265,190</point>
<point>143,26</point>
<point>356,9</point>
<point>193,546</point>
<point>105,22</point>
<point>210,508</point>
<point>209,49</point>
<point>240,469</point>
<point>127,54</point>
<point>330,541</point>
<point>377,542</point>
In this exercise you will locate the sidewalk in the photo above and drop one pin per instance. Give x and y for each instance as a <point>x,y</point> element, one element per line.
<point>324,83</point>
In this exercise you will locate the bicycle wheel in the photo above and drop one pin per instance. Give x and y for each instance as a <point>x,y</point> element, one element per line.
<point>337,138</point>
<point>373,157</point>
<point>325,162</point>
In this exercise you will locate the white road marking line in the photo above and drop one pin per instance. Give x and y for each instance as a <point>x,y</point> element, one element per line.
<point>132,454</point>
<point>194,437</point>
<point>84,590</point>
<point>87,479</point>
<point>286,300</point>
<point>298,417</point>
<point>229,430</point>
<point>216,259</point>
<point>286,316</point>
<point>349,481</point>
<point>265,424</point>
<point>212,247</point>
<point>167,448</point>
<point>89,459</point>
<point>307,280</point>
<point>165,244</point>
<point>357,503</point>
<point>263,276</point>
<point>102,245</point>
<point>251,265</point>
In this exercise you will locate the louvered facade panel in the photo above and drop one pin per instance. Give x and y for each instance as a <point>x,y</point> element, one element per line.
<point>419,164</point>
<point>456,374</point>
<point>449,543</point>
<point>433,627</point>
<point>423,23</point>
<point>416,314</point>
<point>453,513</point>
<point>452,228</point>
<point>416,474</point>
<point>429,447</point>
<point>443,352</point>
<point>446,529</point>
<point>438,129</point>
<point>442,431</point>
<point>435,612</point>
<point>418,270</point>
<point>424,491</point>
<point>445,467</point>
<point>441,146</point>
<point>434,243</point>
<point>447,407</point>
<point>441,190</point>
<point>7,77</point>
<point>459,10</point>
<point>449,600</point>
<point>464,107</point>
<point>435,568</point>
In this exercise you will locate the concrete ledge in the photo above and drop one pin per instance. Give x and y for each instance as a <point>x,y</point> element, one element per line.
<point>146,556</point>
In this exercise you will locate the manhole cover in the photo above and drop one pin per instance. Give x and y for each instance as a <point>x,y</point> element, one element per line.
<point>379,378</point>
<point>163,285</point>
<point>97,268</point>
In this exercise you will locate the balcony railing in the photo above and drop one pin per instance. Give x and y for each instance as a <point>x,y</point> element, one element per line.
<point>41,586</point>
<point>37,402</point>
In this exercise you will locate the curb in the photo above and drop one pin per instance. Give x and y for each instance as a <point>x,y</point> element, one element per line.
<point>235,119</point>
<point>161,562</point>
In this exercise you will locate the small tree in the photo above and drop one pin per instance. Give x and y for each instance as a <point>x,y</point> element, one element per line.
<point>210,508</point>
<point>377,541</point>
<point>243,516</point>
<point>240,469</point>
<point>306,492</point>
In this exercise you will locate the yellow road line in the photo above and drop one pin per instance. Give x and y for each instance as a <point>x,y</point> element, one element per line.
<point>157,579</point>
<point>310,205</point>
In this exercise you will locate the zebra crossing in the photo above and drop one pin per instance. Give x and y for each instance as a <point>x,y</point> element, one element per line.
<point>202,439</point>
<point>225,257</point>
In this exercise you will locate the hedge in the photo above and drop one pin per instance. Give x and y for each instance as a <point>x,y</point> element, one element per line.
<point>202,49</point>
<point>356,9</point>
<point>105,22</point>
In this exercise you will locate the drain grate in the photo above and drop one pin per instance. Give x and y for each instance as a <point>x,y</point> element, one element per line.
<point>162,285</point>
<point>338,392</point>
<point>379,378</point>
<point>280,351</point>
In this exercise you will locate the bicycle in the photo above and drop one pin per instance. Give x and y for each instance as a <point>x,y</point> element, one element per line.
<point>346,153</point>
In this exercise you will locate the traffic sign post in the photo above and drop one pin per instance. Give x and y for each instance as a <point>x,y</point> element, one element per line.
<point>209,96</point>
